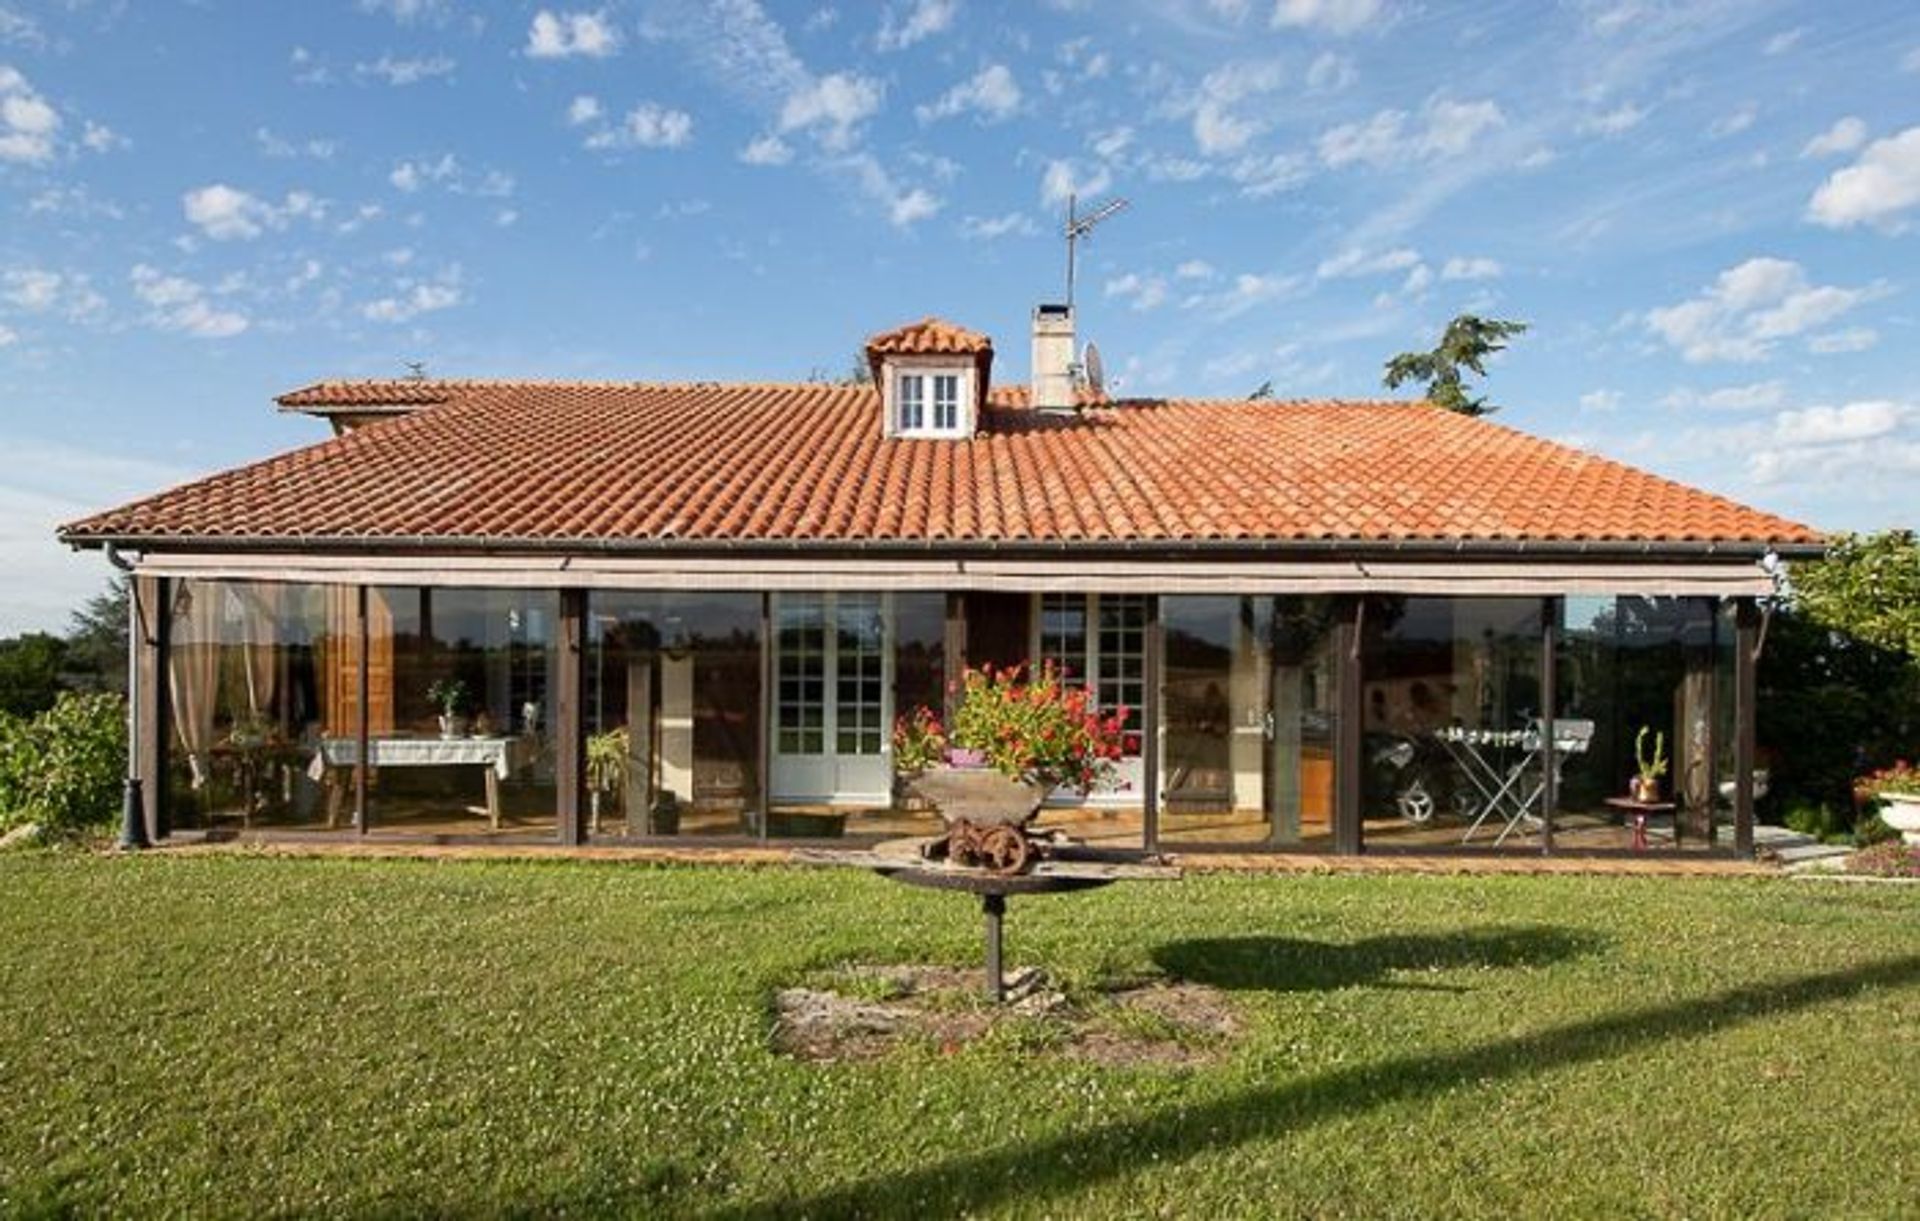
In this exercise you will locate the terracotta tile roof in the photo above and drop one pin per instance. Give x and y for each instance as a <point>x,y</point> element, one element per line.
<point>929,337</point>
<point>401,393</point>
<point>552,463</point>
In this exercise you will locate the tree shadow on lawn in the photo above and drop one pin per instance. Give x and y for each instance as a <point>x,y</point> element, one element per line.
<point>1285,964</point>
<point>1072,1161</point>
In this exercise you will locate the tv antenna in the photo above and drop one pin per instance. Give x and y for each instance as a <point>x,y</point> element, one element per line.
<point>416,370</point>
<point>1080,227</point>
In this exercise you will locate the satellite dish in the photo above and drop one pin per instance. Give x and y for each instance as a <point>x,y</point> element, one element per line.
<point>1093,368</point>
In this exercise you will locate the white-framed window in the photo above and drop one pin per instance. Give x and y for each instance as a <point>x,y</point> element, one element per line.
<point>928,402</point>
<point>946,402</point>
<point>911,396</point>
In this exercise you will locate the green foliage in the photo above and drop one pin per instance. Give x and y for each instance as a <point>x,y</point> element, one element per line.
<point>30,667</point>
<point>1651,766</point>
<point>449,695</point>
<point>97,641</point>
<point>198,1035</point>
<point>608,754</point>
<point>1868,586</point>
<point>1820,820</point>
<point>1466,344</point>
<point>63,769</point>
<point>1043,731</point>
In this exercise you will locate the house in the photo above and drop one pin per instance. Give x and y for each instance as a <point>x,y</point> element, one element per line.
<point>589,612</point>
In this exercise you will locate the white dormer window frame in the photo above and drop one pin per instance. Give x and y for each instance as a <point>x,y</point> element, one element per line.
<point>930,397</point>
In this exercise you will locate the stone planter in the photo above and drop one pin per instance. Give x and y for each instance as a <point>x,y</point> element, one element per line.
<point>979,795</point>
<point>1901,811</point>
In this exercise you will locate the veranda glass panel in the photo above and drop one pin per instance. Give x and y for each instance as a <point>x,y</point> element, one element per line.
<point>1629,664</point>
<point>260,677</point>
<point>461,732</point>
<point>1246,721</point>
<point>1452,744</point>
<point>673,703</point>
<point>911,639</point>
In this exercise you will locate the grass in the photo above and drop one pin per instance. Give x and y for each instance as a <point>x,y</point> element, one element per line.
<point>244,1036</point>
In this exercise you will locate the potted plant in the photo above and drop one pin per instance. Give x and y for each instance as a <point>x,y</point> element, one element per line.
<point>1897,790</point>
<point>607,756</point>
<point>450,696</point>
<point>1645,786</point>
<point>1012,741</point>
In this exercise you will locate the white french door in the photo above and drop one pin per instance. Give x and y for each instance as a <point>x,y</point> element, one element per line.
<point>833,699</point>
<point>1100,642</point>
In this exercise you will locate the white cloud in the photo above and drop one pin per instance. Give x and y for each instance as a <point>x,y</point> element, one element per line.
<point>409,11</point>
<point>1859,421</point>
<point>1601,401</point>
<point>1784,41</point>
<point>272,145</point>
<point>1622,118</point>
<point>583,109</point>
<point>648,125</point>
<point>1734,123</point>
<point>1331,72</point>
<point>403,72</point>
<point>566,35</point>
<point>226,213</point>
<point>1194,269</point>
<point>1748,309</point>
<point>1143,292</point>
<point>1243,292</point>
<point>1260,175</point>
<point>990,93</point>
<point>410,176</point>
<point>1875,190</point>
<point>1338,17</point>
<point>1471,269</point>
<point>1853,339</point>
<point>905,207</point>
<point>992,228</point>
<point>766,150</point>
<point>35,290</point>
<point>28,123</point>
<point>1845,136</point>
<point>833,107</point>
<point>1355,263</point>
<point>20,29</point>
<point>413,297</point>
<point>178,304</point>
<point>923,19</point>
<point>8,336</point>
<point>1063,178</point>
<point>1754,396</point>
<point>1217,127</point>
<point>1911,61</point>
<point>1445,128</point>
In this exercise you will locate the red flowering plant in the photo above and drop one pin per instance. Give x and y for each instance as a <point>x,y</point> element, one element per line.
<point>1900,780</point>
<point>1039,731</point>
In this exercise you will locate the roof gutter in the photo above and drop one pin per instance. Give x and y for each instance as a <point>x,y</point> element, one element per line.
<point>1729,549</point>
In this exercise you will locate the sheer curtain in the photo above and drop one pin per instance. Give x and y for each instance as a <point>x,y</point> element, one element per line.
<point>193,672</point>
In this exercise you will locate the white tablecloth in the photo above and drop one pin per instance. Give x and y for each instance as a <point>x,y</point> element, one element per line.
<point>503,755</point>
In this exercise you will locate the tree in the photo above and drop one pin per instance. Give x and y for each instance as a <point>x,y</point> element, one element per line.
<point>30,673</point>
<point>1867,586</point>
<point>1467,343</point>
<point>97,641</point>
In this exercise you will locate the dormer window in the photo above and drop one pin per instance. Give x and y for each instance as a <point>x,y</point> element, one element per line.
<point>932,377</point>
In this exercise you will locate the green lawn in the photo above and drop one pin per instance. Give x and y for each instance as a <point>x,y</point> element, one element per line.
<point>234,1035</point>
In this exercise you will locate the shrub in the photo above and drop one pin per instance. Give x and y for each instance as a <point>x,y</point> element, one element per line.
<point>1821,821</point>
<point>63,768</point>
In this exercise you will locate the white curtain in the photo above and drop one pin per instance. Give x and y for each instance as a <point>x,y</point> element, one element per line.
<point>193,672</point>
<point>261,619</point>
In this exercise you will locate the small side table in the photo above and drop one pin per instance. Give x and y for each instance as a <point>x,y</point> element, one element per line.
<point>1636,812</point>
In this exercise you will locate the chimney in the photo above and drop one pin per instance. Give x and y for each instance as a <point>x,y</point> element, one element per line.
<point>1053,380</point>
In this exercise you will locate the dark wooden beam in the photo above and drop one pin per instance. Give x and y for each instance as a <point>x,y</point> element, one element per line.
<point>763,724</point>
<point>363,771</point>
<point>152,619</point>
<point>1151,699</point>
<point>1348,764</point>
<point>953,652</point>
<point>1746,692</point>
<point>1550,611</point>
<point>570,727</point>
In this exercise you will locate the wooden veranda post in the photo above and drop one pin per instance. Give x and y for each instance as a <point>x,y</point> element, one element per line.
<point>569,729</point>
<point>1348,764</point>
<point>1746,690</point>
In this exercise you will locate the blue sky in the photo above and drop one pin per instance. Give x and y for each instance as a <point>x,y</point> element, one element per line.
<point>1708,211</point>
